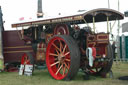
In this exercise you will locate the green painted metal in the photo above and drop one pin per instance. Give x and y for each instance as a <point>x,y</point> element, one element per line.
<point>120,47</point>
<point>126,47</point>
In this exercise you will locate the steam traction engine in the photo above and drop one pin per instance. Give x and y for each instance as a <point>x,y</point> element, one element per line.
<point>68,47</point>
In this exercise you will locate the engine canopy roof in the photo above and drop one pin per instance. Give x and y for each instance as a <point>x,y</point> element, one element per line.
<point>100,15</point>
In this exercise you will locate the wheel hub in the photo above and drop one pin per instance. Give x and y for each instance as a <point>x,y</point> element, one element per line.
<point>61,57</point>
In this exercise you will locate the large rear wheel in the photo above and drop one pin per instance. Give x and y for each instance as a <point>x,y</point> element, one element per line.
<point>62,57</point>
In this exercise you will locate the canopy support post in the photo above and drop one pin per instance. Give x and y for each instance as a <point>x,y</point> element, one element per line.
<point>94,24</point>
<point>107,24</point>
<point>35,34</point>
<point>86,22</point>
<point>22,33</point>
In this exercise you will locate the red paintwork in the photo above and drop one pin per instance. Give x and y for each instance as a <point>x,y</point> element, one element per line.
<point>94,52</point>
<point>12,43</point>
<point>100,41</point>
<point>25,59</point>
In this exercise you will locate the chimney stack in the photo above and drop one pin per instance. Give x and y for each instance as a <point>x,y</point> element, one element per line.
<point>39,12</point>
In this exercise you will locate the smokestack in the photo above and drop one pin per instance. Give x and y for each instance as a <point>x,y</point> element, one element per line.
<point>1,20</point>
<point>1,40</point>
<point>39,12</point>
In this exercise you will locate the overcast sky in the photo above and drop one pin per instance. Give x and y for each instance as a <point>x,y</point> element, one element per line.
<point>15,9</point>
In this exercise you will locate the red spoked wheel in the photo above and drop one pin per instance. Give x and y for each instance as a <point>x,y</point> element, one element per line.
<point>61,29</point>
<point>27,58</point>
<point>62,57</point>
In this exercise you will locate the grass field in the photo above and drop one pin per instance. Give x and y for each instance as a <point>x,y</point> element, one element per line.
<point>42,77</point>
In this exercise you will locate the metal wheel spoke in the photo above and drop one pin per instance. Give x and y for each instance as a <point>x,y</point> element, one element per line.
<point>54,63</point>
<point>66,53</point>
<point>53,54</point>
<point>61,46</point>
<point>64,48</point>
<point>64,68</point>
<point>58,65</point>
<point>67,60</point>
<point>66,65</point>
<point>59,69</point>
<point>57,51</point>
<point>55,46</point>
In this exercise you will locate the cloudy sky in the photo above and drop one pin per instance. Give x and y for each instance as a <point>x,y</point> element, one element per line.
<point>15,9</point>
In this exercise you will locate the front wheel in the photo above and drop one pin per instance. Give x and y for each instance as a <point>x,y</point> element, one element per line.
<point>62,57</point>
<point>108,66</point>
<point>104,67</point>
